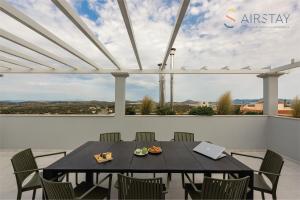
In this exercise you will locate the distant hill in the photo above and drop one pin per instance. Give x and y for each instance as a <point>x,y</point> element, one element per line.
<point>189,102</point>
<point>186,102</point>
<point>244,101</point>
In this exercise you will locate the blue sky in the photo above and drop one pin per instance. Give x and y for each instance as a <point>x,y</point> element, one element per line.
<point>202,41</point>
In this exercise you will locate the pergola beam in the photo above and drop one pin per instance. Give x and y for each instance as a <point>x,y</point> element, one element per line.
<point>78,22</point>
<point>30,23</point>
<point>14,62</point>
<point>7,68</point>
<point>146,71</point>
<point>181,13</point>
<point>127,21</point>
<point>285,67</point>
<point>23,56</point>
<point>32,47</point>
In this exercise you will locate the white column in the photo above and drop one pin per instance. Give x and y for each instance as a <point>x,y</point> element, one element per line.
<point>270,93</point>
<point>120,93</point>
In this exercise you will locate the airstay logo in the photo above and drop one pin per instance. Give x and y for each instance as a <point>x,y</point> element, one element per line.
<point>233,19</point>
<point>270,18</point>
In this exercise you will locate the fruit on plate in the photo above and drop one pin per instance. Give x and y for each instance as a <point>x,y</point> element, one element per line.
<point>141,151</point>
<point>154,149</point>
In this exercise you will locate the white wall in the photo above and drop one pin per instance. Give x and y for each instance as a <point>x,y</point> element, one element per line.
<point>67,132</point>
<point>283,136</point>
<point>1,133</point>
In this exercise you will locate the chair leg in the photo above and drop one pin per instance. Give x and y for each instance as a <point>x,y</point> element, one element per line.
<point>263,195</point>
<point>186,195</point>
<point>274,196</point>
<point>97,178</point>
<point>33,194</point>
<point>154,175</point>
<point>19,195</point>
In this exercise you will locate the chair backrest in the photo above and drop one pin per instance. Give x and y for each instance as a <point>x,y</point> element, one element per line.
<point>110,137</point>
<point>272,163</point>
<point>183,137</point>
<point>145,136</point>
<point>57,190</point>
<point>134,188</point>
<point>23,161</point>
<point>224,189</point>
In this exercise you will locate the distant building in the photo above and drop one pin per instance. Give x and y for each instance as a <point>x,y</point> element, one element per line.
<point>258,107</point>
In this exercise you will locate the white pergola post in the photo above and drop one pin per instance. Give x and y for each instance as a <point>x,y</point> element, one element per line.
<point>120,93</point>
<point>270,93</point>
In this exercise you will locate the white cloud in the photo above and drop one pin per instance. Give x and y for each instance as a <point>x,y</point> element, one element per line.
<point>203,43</point>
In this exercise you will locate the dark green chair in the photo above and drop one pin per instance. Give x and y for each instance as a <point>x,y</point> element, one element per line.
<point>24,166</point>
<point>145,137</point>
<point>110,137</point>
<point>134,188</point>
<point>271,167</point>
<point>183,137</point>
<point>64,191</point>
<point>212,188</point>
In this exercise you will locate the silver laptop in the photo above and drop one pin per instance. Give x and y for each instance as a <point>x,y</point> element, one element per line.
<point>211,150</point>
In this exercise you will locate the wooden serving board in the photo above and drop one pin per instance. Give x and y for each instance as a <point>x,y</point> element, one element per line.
<point>101,160</point>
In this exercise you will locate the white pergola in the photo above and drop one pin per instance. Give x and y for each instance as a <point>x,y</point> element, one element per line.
<point>269,75</point>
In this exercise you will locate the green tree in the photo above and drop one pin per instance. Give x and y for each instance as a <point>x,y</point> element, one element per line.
<point>165,111</point>
<point>202,110</point>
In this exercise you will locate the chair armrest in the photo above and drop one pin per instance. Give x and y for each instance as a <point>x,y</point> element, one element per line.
<point>97,185</point>
<point>26,171</point>
<point>51,154</point>
<point>192,183</point>
<point>267,173</point>
<point>246,155</point>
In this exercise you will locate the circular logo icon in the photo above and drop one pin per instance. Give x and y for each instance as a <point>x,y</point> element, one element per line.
<point>230,18</point>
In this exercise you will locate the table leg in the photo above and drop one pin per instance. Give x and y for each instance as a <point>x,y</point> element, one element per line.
<point>207,174</point>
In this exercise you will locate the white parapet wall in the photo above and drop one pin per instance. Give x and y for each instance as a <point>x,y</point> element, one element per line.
<point>283,136</point>
<point>68,132</point>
